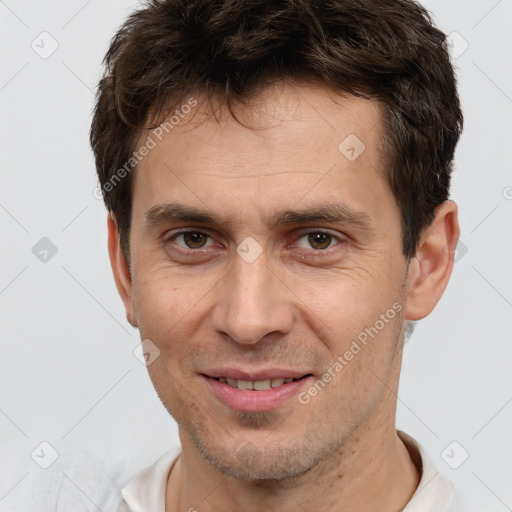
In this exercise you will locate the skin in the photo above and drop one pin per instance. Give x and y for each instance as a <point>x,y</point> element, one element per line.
<point>299,305</point>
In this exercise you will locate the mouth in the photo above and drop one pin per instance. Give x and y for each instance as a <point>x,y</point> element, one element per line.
<point>258,385</point>
<point>262,393</point>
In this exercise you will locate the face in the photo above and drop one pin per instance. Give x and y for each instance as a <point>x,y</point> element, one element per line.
<point>262,251</point>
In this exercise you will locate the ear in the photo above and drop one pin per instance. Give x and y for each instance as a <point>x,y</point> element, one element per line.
<point>121,270</point>
<point>430,269</point>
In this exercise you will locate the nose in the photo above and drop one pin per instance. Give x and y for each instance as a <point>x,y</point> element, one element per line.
<point>254,302</point>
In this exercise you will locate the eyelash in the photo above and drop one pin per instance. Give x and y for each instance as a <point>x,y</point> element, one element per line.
<point>319,252</point>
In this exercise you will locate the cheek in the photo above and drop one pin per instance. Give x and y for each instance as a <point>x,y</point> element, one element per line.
<point>363,357</point>
<point>364,323</point>
<point>349,303</point>
<point>167,302</point>
<point>172,312</point>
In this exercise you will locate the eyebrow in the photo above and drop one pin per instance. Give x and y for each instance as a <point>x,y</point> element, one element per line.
<point>330,213</point>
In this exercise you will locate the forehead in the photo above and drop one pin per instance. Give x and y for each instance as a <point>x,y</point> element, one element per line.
<point>288,144</point>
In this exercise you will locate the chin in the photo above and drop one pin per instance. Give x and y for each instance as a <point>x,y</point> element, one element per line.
<point>253,463</point>
<point>264,458</point>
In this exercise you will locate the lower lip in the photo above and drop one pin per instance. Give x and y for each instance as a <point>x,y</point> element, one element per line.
<point>255,401</point>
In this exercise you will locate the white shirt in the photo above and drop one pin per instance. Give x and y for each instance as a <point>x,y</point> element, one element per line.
<point>146,491</point>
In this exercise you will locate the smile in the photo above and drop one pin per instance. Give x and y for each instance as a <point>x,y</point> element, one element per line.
<point>256,385</point>
<point>256,395</point>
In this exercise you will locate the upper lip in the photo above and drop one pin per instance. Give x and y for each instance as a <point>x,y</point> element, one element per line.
<point>263,374</point>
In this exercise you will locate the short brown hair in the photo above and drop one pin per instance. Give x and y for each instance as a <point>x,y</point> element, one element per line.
<point>387,50</point>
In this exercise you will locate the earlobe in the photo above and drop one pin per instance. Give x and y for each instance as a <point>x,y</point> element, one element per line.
<point>432,266</point>
<point>121,270</point>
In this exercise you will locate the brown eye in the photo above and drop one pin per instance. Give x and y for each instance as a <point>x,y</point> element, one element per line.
<point>319,240</point>
<point>192,239</point>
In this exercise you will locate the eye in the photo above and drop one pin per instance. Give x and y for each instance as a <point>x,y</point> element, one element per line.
<point>190,239</point>
<point>318,240</point>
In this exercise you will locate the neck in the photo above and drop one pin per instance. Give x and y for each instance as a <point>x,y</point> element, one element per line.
<point>373,470</point>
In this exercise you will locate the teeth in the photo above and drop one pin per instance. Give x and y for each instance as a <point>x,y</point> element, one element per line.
<point>245,384</point>
<point>260,385</point>
<point>257,385</point>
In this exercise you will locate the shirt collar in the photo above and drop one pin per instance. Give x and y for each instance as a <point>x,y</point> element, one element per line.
<point>146,491</point>
<point>434,492</point>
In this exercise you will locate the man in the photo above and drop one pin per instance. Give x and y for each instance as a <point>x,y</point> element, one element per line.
<point>277,179</point>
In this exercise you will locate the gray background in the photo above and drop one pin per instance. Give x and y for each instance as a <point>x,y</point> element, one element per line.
<point>68,373</point>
